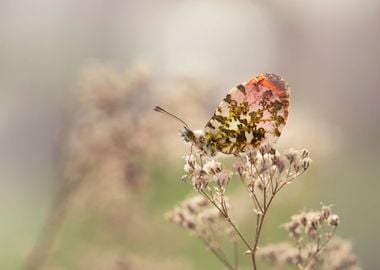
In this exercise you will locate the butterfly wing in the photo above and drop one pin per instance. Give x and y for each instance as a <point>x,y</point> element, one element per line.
<point>250,114</point>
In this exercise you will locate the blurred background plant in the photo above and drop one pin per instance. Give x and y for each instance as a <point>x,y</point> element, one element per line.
<point>183,55</point>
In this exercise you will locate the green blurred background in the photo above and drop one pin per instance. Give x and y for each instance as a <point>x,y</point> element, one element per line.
<point>78,78</point>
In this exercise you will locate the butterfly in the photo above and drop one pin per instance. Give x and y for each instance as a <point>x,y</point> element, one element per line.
<point>252,113</point>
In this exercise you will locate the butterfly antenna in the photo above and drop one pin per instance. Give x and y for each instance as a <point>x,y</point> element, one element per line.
<point>161,110</point>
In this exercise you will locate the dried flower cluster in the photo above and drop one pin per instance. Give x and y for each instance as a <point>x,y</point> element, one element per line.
<point>338,254</point>
<point>313,233</point>
<point>209,171</point>
<point>263,171</point>
<point>199,216</point>
<point>316,226</point>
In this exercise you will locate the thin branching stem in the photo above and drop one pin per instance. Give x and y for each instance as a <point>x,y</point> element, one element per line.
<point>220,255</point>
<point>261,217</point>
<point>228,219</point>
<point>48,234</point>
<point>318,250</point>
<point>236,254</point>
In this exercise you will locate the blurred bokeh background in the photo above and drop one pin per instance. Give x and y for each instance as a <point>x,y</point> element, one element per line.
<point>79,79</point>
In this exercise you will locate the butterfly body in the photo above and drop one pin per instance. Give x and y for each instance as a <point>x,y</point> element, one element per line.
<point>199,140</point>
<point>252,113</point>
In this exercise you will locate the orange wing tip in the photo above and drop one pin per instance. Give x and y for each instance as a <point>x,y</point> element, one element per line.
<point>272,82</point>
<point>276,84</point>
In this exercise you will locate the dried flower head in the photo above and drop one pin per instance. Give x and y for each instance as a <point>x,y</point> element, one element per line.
<point>333,220</point>
<point>269,163</point>
<point>314,224</point>
<point>204,172</point>
<point>313,233</point>
<point>338,254</point>
<point>197,215</point>
<point>213,167</point>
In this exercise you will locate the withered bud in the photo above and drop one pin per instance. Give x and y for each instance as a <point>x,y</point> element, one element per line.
<point>333,220</point>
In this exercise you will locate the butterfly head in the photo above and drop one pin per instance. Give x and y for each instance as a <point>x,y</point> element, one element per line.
<point>195,137</point>
<point>198,139</point>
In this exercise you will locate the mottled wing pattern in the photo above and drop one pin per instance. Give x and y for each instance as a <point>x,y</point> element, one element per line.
<point>250,114</point>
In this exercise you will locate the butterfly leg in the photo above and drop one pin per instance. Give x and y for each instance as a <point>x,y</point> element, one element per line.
<point>191,149</point>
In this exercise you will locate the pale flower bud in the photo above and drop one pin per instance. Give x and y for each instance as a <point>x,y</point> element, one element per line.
<point>223,178</point>
<point>306,163</point>
<point>213,167</point>
<point>333,220</point>
<point>326,211</point>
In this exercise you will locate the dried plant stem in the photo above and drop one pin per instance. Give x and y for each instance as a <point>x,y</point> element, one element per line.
<point>259,226</point>
<point>319,248</point>
<point>259,222</point>
<point>226,216</point>
<point>236,254</point>
<point>232,224</point>
<point>218,253</point>
<point>224,212</point>
<point>40,251</point>
<point>263,210</point>
<point>53,223</point>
